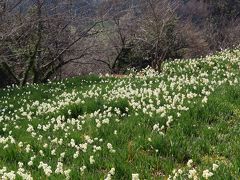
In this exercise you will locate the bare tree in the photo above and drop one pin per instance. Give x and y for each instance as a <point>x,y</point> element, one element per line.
<point>116,41</point>
<point>43,39</point>
<point>156,23</point>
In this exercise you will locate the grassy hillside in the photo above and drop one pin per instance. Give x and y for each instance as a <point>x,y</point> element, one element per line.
<point>181,124</point>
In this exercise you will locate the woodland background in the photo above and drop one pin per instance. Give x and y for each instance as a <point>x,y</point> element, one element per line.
<point>55,39</point>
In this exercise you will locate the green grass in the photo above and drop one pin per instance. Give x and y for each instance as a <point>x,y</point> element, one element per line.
<point>128,113</point>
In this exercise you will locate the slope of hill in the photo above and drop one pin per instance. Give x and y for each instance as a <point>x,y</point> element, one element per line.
<point>180,124</point>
